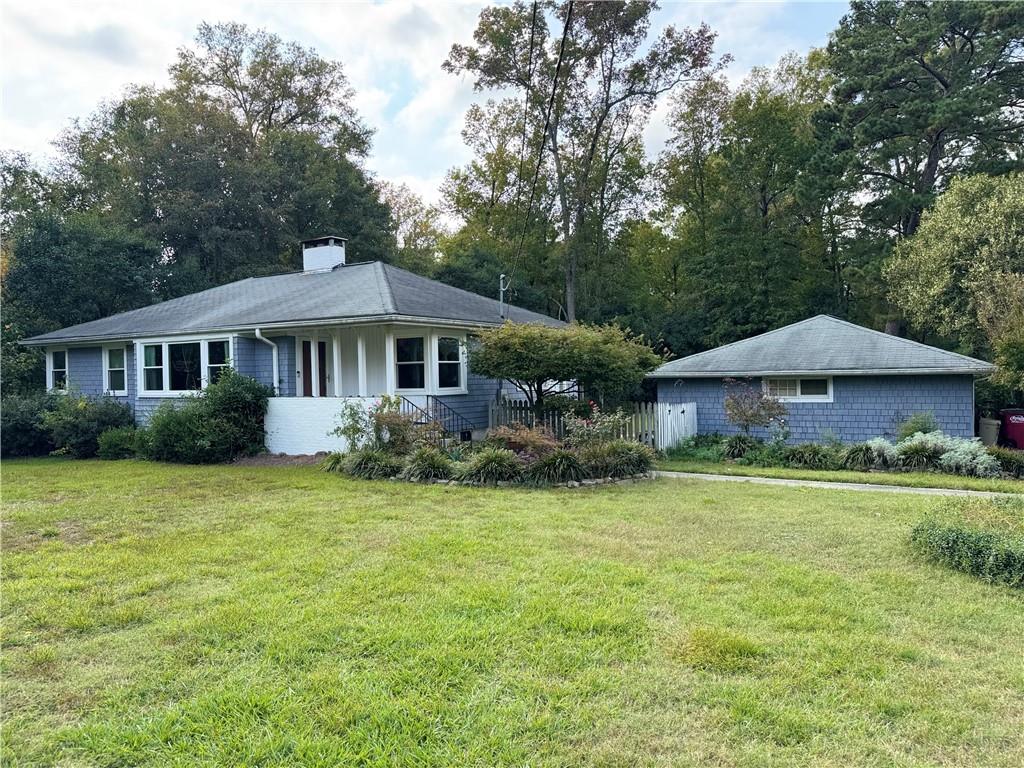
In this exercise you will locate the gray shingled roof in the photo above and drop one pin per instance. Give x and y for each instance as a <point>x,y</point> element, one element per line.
<point>821,345</point>
<point>366,291</point>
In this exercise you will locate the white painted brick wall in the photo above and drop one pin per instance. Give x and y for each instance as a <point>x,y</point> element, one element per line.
<point>300,425</point>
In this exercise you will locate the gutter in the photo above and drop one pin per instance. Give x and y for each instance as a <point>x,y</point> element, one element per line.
<point>978,371</point>
<point>274,357</point>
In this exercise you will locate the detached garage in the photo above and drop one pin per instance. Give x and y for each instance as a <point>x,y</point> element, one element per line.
<point>837,380</point>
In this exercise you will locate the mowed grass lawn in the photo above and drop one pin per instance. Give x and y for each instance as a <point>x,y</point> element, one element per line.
<point>167,615</point>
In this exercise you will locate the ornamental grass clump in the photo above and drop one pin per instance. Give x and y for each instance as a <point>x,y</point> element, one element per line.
<point>739,445</point>
<point>492,465</point>
<point>981,537</point>
<point>372,464</point>
<point>617,458</point>
<point>427,464</point>
<point>810,456</point>
<point>559,466</point>
<point>922,450</point>
<point>876,453</point>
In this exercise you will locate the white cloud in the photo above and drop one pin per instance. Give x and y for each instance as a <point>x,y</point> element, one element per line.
<point>59,60</point>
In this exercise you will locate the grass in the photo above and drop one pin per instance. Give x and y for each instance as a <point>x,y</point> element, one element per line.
<point>912,479</point>
<point>175,616</point>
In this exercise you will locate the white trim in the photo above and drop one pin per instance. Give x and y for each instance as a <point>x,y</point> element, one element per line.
<point>105,352</point>
<point>361,364</point>
<point>463,387</point>
<point>314,364</point>
<point>800,398</point>
<point>218,331</point>
<point>818,374</point>
<point>66,369</point>
<point>165,343</point>
<point>392,349</point>
<point>336,361</point>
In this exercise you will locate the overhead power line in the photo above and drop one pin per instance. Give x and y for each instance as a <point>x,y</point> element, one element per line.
<point>543,141</point>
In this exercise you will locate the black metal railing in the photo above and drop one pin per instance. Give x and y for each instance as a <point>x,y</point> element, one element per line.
<point>450,423</point>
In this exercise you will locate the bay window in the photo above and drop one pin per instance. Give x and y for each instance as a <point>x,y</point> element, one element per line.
<point>115,374</point>
<point>410,363</point>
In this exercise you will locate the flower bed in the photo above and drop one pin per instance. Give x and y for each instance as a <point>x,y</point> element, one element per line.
<point>387,447</point>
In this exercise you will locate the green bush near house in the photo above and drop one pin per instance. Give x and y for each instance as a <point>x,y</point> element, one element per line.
<point>223,422</point>
<point>739,445</point>
<point>117,443</point>
<point>23,430</point>
<point>982,537</point>
<point>924,422</point>
<point>1010,460</point>
<point>811,456</point>
<point>76,422</point>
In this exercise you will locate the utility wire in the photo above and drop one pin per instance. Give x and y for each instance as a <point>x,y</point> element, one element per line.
<point>544,138</point>
<point>526,107</point>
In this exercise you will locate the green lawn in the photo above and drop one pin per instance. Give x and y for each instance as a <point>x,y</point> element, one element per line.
<point>166,615</point>
<point>914,479</point>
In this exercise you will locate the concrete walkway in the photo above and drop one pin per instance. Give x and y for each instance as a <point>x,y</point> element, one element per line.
<point>829,484</point>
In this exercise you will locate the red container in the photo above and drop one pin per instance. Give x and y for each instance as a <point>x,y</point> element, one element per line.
<point>1013,427</point>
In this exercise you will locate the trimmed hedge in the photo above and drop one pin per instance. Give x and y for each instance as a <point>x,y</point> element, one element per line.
<point>981,538</point>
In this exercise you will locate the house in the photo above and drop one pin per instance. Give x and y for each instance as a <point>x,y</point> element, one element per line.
<point>837,380</point>
<point>330,332</point>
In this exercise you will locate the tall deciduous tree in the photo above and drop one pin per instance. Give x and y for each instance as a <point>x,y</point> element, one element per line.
<point>962,274</point>
<point>610,78</point>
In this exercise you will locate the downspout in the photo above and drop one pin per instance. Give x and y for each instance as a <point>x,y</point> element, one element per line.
<point>273,355</point>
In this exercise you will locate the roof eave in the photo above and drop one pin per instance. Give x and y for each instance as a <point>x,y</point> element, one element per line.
<point>42,341</point>
<point>973,370</point>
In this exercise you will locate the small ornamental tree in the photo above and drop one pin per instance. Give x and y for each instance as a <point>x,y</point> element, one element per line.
<point>748,407</point>
<point>608,362</point>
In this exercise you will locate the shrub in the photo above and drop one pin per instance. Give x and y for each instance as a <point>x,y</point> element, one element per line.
<point>23,430</point>
<point>372,464</point>
<point>492,465</point>
<point>1010,461</point>
<point>919,422</point>
<point>877,453</point>
<point>969,457</point>
<point>76,423</point>
<point>223,422</point>
<point>428,463</point>
<point>767,455</point>
<point>737,446</point>
<point>982,537</point>
<point>700,448</point>
<point>599,427</point>
<point>747,407</point>
<point>117,443</point>
<point>559,466</point>
<point>383,426</point>
<point>810,456</point>
<point>536,441</point>
<point>922,450</point>
<point>333,462</point>
<point>618,458</point>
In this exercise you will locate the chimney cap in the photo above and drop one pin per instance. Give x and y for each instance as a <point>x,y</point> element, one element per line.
<point>313,242</point>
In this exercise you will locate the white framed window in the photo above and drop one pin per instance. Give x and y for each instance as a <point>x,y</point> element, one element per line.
<point>57,370</point>
<point>218,357</point>
<point>115,371</point>
<point>411,363</point>
<point>174,368</point>
<point>450,367</point>
<point>817,389</point>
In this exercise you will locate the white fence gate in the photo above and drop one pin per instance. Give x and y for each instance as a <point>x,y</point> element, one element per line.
<point>659,425</point>
<point>676,422</point>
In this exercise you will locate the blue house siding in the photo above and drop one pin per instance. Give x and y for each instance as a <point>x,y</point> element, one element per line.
<point>85,370</point>
<point>863,406</point>
<point>475,405</point>
<point>254,359</point>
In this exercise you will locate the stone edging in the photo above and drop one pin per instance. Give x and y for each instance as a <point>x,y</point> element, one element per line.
<point>589,483</point>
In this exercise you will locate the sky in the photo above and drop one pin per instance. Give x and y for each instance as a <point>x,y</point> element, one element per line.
<point>58,61</point>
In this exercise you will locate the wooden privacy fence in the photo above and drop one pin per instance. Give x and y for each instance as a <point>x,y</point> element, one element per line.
<point>659,425</point>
